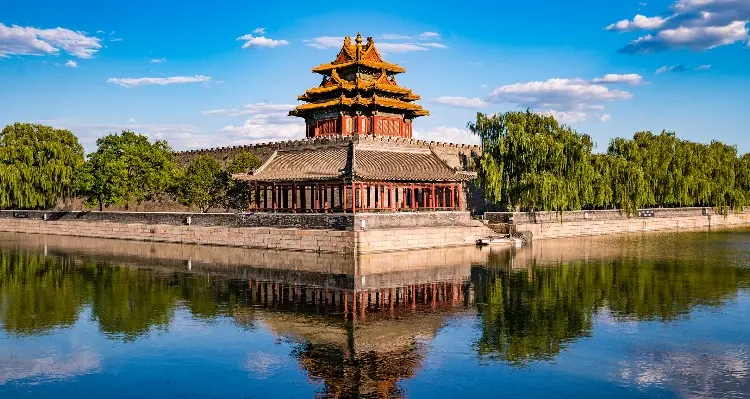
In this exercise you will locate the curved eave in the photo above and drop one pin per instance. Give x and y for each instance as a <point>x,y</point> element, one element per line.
<point>393,68</point>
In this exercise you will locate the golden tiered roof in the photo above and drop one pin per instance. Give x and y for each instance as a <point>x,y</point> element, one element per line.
<point>359,77</point>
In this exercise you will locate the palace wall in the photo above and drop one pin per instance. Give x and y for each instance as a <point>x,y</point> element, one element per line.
<point>543,225</point>
<point>323,233</point>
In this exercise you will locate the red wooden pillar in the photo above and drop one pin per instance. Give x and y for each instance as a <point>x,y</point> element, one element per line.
<point>453,195</point>
<point>274,197</point>
<point>354,199</point>
<point>433,197</point>
<point>460,191</point>
<point>413,198</point>
<point>294,196</point>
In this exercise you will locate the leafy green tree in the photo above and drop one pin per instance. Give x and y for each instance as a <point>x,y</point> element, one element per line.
<point>203,184</point>
<point>238,193</point>
<point>127,167</point>
<point>38,165</point>
<point>530,162</point>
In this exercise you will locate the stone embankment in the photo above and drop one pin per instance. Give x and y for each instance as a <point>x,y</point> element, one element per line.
<point>323,233</point>
<point>543,225</point>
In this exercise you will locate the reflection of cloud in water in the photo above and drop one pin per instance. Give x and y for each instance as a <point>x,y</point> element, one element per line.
<point>13,368</point>
<point>700,373</point>
<point>615,323</point>
<point>262,364</point>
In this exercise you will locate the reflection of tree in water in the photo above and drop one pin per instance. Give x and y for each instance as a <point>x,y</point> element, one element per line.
<point>38,293</point>
<point>530,314</point>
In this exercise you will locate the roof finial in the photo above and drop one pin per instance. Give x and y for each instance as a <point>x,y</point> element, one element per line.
<point>358,39</point>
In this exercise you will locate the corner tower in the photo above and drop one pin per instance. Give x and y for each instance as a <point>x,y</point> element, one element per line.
<point>359,94</point>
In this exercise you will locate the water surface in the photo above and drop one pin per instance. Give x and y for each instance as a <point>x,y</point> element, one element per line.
<point>659,315</point>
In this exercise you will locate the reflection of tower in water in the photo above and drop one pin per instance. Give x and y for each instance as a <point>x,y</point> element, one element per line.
<point>359,339</point>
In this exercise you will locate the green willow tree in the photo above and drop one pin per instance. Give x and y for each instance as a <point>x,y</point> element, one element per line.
<point>532,163</point>
<point>38,165</point>
<point>127,167</point>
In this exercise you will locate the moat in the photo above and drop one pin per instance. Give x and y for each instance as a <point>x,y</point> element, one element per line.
<point>657,315</point>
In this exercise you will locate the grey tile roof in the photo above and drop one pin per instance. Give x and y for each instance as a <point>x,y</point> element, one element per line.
<point>370,164</point>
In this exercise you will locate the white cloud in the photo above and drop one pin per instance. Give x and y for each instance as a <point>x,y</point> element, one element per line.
<point>400,47</point>
<point>630,78</point>
<point>703,67</point>
<point>697,25</point>
<point>259,31</point>
<point>640,22</point>
<point>260,41</point>
<point>605,118</point>
<point>158,60</point>
<point>18,40</point>
<point>325,42</point>
<point>132,82</point>
<point>252,109</point>
<point>461,102</point>
<point>71,64</point>
<point>674,68</point>
<point>266,122</point>
<point>393,43</point>
<point>446,135</point>
<point>434,45</point>
<point>429,35</point>
<point>180,136</point>
<point>569,100</point>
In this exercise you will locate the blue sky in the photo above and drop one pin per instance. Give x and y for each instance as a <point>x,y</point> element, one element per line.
<point>181,71</point>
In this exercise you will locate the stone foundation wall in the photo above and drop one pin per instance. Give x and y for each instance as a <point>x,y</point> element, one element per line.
<point>582,227</point>
<point>309,240</point>
<point>383,240</point>
<point>396,232</point>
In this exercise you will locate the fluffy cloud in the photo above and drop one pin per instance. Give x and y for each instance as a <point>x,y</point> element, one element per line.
<point>569,100</point>
<point>181,136</point>
<point>640,22</point>
<point>630,78</point>
<point>252,109</point>
<point>392,43</point>
<point>703,67</point>
<point>259,31</point>
<point>605,118</point>
<point>19,40</point>
<point>698,25</point>
<point>674,68</point>
<point>260,41</point>
<point>446,135</point>
<point>132,82</point>
<point>266,122</point>
<point>71,64</point>
<point>461,102</point>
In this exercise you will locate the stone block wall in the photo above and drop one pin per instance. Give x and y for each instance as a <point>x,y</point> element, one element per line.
<point>581,227</point>
<point>308,240</point>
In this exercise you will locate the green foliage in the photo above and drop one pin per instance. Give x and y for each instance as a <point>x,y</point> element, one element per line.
<point>532,163</point>
<point>533,314</point>
<point>127,167</point>
<point>38,165</point>
<point>237,193</point>
<point>203,184</point>
<point>243,162</point>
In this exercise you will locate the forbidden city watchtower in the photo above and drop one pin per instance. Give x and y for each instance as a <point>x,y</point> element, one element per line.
<point>359,155</point>
<point>359,94</point>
